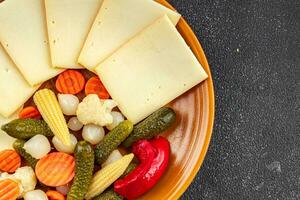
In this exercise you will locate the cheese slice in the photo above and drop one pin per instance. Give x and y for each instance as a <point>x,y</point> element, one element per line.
<point>14,90</point>
<point>116,23</point>
<point>69,22</point>
<point>6,141</point>
<point>150,70</point>
<point>23,34</point>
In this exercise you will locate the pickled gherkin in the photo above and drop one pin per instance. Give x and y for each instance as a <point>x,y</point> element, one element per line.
<point>27,128</point>
<point>112,140</point>
<point>84,167</point>
<point>153,125</point>
<point>19,147</point>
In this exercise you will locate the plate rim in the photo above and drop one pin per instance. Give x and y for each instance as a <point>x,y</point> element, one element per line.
<point>211,96</point>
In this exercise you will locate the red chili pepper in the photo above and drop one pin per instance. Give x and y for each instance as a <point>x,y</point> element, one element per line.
<point>154,157</point>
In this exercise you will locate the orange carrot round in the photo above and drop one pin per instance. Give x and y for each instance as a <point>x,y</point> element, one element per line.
<point>55,169</point>
<point>9,190</point>
<point>70,82</point>
<point>95,86</point>
<point>55,195</point>
<point>30,112</point>
<point>10,161</point>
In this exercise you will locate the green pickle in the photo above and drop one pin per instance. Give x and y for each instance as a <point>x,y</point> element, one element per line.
<point>153,125</point>
<point>84,167</point>
<point>108,195</point>
<point>19,147</point>
<point>112,140</point>
<point>27,128</point>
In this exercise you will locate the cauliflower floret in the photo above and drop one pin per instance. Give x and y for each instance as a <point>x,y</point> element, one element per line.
<point>93,110</point>
<point>25,177</point>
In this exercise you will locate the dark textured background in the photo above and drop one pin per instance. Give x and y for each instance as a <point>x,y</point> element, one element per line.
<point>253,47</point>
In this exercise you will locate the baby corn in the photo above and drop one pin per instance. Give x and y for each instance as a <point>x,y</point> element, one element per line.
<point>49,108</point>
<point>106,176</point>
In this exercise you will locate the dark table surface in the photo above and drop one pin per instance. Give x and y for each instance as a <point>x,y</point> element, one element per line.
<point>253,47</point>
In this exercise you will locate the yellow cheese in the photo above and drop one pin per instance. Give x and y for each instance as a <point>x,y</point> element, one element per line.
<point>23,34</point>
<point>69,22</point>
<point>14,90</point>
<point>6,141</point>
<point>117,22</point>
<point>150,70</point>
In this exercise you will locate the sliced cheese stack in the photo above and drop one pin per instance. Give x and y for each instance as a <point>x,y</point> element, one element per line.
<point>150,70</point>
<point>23,35</point>
<point>14,90</point>
<point>116,23</point>
<point>69,22</point>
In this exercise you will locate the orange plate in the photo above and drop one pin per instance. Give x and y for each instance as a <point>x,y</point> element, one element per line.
<point>190,137</point>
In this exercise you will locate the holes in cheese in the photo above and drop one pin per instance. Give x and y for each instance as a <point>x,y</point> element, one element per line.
<point>117,22</point>
<point>24,36</point>
<point>14,90</point>
<point>69,22</point>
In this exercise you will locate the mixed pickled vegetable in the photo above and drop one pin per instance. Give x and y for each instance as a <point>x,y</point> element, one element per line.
<point>75,144</point>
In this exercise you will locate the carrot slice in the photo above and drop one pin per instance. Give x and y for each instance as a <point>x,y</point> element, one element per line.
<point>95,86</point>
<point>10,161</point>
<point>55,169</point>
<point>9,190</point>
<point>30,112</point>
<point>55,195</point>
<point>70,82</point>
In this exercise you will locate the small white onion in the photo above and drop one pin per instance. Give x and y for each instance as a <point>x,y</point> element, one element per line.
<point>92,133</point>
<point>59,146</point>
<point>64,190</point>
<point>113,157</point>
<point>35,195</point>
<point>74,124</point>
<point>68,103</point>
<point>117,119</point>
<point>38,146</point>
